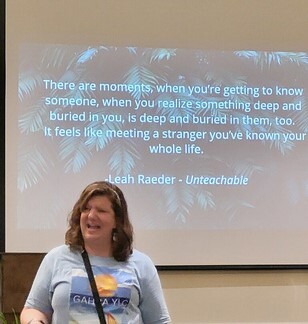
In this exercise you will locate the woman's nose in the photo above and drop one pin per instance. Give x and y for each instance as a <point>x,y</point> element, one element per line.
<point>91,212</point>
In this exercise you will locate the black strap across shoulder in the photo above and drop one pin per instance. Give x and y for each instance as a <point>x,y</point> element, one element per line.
<point>98,305</point>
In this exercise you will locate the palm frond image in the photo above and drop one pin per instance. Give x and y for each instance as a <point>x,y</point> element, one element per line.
<point>104,111</point>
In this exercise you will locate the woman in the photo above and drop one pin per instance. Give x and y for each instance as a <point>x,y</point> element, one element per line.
<point>127,281</point>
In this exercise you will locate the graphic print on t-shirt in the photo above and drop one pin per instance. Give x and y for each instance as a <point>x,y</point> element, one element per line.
<point>114,288</point>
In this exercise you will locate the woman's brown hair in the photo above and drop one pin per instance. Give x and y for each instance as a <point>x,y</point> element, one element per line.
<point>122,244</point>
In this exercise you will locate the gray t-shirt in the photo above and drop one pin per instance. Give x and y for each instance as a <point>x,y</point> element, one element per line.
<point>130,291</point>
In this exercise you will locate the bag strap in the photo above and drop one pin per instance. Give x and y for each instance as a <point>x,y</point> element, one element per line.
<point>98,305</point>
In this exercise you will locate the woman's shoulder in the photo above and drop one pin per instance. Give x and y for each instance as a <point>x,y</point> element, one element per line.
<point>141,259</point>
<point>139,254</point>
<point>60,251</point>
<point>61,254</point>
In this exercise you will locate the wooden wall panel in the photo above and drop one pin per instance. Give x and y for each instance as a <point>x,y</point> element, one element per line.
<point>18,271</point>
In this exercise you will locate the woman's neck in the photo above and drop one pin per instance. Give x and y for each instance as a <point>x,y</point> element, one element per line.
<point>98,250</point>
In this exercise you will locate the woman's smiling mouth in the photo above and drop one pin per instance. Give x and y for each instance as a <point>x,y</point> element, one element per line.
<point>89,226</point>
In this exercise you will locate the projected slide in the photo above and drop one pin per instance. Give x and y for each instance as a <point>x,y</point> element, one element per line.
<point>201,142</point>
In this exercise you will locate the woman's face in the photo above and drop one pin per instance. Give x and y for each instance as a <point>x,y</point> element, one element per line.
<point>97,221</point>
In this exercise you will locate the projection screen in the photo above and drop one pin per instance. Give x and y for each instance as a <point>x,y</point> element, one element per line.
<point>200,117</point>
